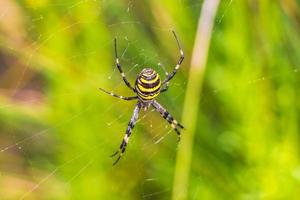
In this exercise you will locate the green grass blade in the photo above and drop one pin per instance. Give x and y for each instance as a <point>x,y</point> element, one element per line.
<point>192,97</point>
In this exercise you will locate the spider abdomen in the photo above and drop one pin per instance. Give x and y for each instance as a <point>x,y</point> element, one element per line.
<point>148,84</point>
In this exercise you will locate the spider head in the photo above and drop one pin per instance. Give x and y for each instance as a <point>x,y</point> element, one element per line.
<point>147,85</point>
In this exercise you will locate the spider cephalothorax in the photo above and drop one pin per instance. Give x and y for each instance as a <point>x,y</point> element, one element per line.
<point>148,85</point>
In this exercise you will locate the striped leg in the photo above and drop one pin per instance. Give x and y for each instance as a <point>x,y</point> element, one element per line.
<point>170,76</point>
<point>165,114</point>
<point>118,96</point>
<point>120,67</point>
<point>128,133</point>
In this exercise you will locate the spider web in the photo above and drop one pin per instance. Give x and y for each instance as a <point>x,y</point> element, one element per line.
<point>149,135</point>
<point>41,179</point>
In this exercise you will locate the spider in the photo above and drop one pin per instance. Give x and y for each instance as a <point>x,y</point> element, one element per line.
<point>148,85</point>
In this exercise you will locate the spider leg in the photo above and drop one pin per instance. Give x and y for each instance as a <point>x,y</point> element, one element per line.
<point>165,89</point>
<point>118,96</point>
<point>171,75</point>
<point>120,68</point>
<point>166,115</point>
<point>128,133</point>
<point>167,83</point>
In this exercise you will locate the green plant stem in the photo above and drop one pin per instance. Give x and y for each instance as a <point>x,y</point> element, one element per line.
<point>192,98</point>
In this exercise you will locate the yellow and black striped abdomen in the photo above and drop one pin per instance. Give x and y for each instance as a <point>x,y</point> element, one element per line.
<point>147,84</point>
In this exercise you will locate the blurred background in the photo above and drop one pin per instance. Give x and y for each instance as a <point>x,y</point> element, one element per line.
<point>57,129</point>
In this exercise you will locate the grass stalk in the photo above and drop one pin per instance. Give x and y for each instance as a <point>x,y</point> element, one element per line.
<point>192,98</point>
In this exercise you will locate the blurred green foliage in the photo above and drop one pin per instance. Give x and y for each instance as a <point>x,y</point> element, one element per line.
<point>57,130</point>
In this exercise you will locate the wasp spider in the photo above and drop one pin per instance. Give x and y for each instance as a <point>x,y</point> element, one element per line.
<point>148,85</point>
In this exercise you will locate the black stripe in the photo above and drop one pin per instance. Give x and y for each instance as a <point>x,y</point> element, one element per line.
<point>165,114</point>
<point>145,99</point>
<point>177,131</point>
<point>131,125</point>
<point>179,125</point>
<point>148,85</point>
<point>123,144</point>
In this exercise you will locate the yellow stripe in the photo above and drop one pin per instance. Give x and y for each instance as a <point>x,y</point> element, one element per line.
<point>150,81</point>
<point>141,88</point>
<point>149,97</point>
